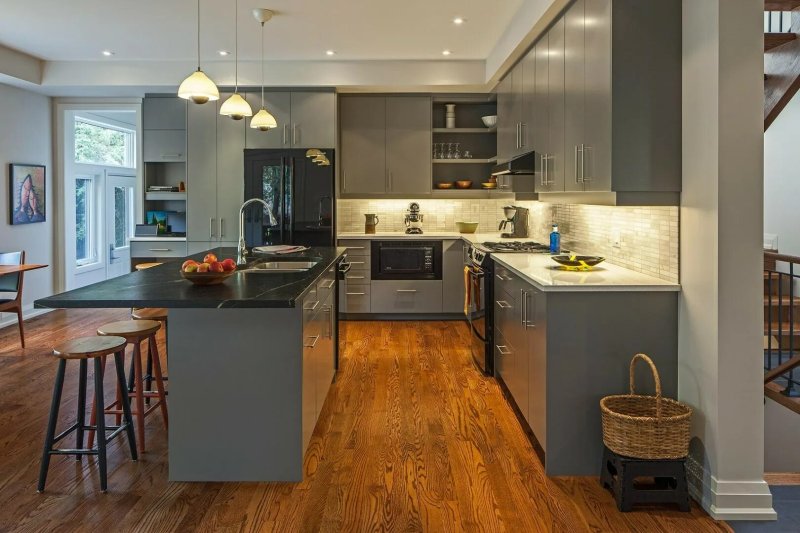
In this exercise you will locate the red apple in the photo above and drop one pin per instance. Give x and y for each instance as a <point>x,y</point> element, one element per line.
<point>189,263</point>
<point>210,258</point>
<point>203,267</point>
<point>216,266</point>
<point>229,265</point>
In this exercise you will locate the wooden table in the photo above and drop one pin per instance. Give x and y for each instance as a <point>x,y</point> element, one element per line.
<point>13,269</point>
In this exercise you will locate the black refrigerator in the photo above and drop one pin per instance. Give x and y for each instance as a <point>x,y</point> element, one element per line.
<point>300,192</point>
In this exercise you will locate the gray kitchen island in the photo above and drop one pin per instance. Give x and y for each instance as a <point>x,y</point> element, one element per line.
<point>250,361</point>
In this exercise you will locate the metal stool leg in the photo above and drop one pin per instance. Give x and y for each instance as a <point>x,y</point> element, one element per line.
<point>51,424</point>
<point>125,402</point>
<point>101,423</point>
<point>81,406</point>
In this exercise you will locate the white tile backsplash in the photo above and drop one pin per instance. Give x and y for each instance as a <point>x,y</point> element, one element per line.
<point>648,236</point>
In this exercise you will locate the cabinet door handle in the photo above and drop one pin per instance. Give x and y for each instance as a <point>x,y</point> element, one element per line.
<point>313,341</point>
<point>503,304</point>
<point>523,295</point>
<point>585,149</point>
<point>211,227</point>
<point>577,165</point>
<point>356,248</point>
<point>294,134</point>
<point>546,164</point>
<point>159,249</point>
<point>312,306</point>
<point>170,156</point>
<point>406,290</point>
<point>354,277</point>
<point>356,293</point>
<point>503,349</point>
<point>344,181</point>
<point>541,172</point>
<point>357,262</point>
<point>221,228</point>
<point>522,129</point>
<point>285,133</point>
<point>528,323</point>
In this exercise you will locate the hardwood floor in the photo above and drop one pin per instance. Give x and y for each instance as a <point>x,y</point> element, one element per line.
<point>411,438</point>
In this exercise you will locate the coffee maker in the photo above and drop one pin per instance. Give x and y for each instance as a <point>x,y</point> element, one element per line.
<point>413,219</point>
<point>515,226</point>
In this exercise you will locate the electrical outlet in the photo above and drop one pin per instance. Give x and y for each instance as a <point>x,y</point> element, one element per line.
<point>616,238</point>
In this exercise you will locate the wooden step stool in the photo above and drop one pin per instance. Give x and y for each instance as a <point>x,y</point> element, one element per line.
<point>619,474</point>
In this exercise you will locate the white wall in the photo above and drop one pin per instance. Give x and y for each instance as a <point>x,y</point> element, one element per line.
<point>26,136</point>
<point>782,178</point>
<point>721,307</point>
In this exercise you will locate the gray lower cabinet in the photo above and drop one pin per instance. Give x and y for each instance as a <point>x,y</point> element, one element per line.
<point>559,353</point>
<point>453,277</point>
<point>406,296</point>
<point>318,359</point>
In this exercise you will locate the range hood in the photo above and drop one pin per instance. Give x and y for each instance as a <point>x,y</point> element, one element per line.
<point>523,164</point>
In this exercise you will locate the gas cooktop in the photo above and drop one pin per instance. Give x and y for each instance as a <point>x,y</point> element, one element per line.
<point>506,247</point>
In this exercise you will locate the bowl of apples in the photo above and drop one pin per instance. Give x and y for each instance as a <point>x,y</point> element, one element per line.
<point>211,271</point>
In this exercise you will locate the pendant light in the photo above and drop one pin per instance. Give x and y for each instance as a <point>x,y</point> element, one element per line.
<point>263,120</point>
<point>198,87</point>
<point>235,106</point>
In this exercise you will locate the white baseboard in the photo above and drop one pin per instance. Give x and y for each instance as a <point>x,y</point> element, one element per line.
<point>28,311</point>
<point>730,500</point>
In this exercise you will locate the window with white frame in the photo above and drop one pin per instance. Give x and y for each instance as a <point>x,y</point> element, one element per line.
<point>85,224</point>
<point>98,143</point>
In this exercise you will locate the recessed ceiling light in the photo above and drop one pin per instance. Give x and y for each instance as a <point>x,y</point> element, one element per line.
<point>446,52</point>
<point>107,53</point>
<point>330,52</point>
<point>224,53</point>
<point>458,20</point>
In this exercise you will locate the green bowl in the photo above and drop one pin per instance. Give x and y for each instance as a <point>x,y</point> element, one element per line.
<point>467,227</point>
<point>578,262</point>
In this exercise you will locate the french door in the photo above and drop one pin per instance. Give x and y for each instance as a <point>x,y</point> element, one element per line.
<point>119,223</point>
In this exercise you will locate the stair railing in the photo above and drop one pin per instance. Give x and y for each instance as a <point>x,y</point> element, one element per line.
<point>777,21</point>
<point>780,359</point>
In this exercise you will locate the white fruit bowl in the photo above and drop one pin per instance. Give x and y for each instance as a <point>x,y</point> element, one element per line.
<point>490,121</point>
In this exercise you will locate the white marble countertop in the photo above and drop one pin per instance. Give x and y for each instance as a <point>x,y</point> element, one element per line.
<point>546,275</point>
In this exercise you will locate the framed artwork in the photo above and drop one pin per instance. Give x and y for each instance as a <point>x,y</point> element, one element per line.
<point>27,194</point>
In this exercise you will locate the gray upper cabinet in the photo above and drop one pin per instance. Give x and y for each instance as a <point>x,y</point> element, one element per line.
<point>606,109</point>
<point>279,104</point>
<point>230,175</point>
<point>408,144</point>
<point>385,145</point>
<point>164,113</point>
<point>163,146</point>
<point>313,120</point>
<point>201,166</point>
<point>363,144</point>
<point>305,120</point>
<point>511,122</point>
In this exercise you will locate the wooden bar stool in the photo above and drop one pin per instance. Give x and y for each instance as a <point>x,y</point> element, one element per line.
<point>158,314</point>
<point>135,332</point>
<point>82,349</point>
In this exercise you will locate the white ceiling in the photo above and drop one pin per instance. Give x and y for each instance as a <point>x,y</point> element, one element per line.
<point>164,30</point>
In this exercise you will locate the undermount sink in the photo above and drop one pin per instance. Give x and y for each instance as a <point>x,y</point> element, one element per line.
<point>280,266</point>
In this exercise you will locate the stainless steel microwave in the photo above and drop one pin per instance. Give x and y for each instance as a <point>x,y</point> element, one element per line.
<point>401,259</point>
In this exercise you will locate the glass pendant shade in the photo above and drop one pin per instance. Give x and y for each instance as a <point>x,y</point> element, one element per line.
<point>236,107</point>
<point>263,120</point>
<point>198,88</point>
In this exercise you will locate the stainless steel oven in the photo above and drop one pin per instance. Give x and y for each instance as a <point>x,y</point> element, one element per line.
<point>479,289</point>
<point>402,259</point>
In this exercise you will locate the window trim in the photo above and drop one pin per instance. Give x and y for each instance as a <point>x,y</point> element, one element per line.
<point>95,262</point>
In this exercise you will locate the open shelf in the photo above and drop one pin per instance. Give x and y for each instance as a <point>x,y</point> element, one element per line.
<point>464,130</point>
<point>165,195</point>
<point>465,161</point>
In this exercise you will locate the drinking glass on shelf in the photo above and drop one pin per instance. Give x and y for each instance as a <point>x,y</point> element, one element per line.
<point>433,155</point>
<point>467,154</point>
<point>457,151</point>
<point>449,151</point>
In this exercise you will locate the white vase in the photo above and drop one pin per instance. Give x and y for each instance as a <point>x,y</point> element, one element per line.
<point>450,116</point>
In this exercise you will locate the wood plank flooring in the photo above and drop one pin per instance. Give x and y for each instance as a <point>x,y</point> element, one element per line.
<point>411,438</point>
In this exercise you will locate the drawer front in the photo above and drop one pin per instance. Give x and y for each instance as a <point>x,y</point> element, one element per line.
<point>356,246</point>
<point>311,305</point>
<point>407,296</point>
<point>357,277</point>
<point>158,249</point>
<point>360,262</point>
<point>507,281</point>
<point>354,299</point>
<point>327,284</point>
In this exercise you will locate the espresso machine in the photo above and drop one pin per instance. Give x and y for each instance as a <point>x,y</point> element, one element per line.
<point>515,226</point>
<point>413,219</point>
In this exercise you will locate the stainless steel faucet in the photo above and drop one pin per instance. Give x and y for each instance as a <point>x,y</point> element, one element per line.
<point>240,259</point>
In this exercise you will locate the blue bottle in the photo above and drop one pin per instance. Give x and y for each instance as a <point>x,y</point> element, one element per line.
<point>555,241</point>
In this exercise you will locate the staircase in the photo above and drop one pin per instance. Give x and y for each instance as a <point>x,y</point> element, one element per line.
<point>781,56</point>
<point>782,329</point>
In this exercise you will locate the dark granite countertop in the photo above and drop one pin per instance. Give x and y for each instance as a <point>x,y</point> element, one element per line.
<point>163,286</point>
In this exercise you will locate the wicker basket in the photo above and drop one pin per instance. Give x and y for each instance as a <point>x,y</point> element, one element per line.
<point>646,427</point>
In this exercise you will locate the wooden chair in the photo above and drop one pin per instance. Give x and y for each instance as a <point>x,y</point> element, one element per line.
<point>13,283</point>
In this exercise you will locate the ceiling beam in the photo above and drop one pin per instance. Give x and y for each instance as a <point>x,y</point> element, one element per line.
<point>20,66</point>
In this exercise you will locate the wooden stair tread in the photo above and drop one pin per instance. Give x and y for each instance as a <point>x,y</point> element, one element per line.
<point>781,5</point>
<point>773,391</point>
<point>783,328</point>
<point>783,300</point>
<point>776,39</point>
